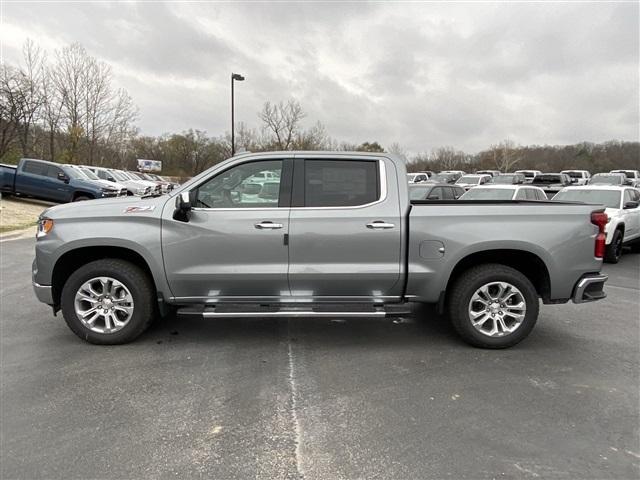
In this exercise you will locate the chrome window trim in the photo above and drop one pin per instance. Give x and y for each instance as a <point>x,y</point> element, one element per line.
<point>383,190</point>
<point>383,195</point>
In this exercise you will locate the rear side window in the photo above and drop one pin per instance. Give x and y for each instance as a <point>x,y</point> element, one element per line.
<point>340,183</point>
<point>522,194</point>
<point>628,196</point>
<point>35,168</point>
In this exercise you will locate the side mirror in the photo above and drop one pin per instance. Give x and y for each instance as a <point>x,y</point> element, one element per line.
<point>183,207</point>
<point>63,178</point>
<point>111,179</point>
<point>631,204</point>
<point>433,197</point>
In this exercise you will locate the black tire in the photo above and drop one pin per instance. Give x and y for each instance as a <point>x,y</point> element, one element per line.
<point>614,250</point>
<point>138,283</point>
<point>82,198</point>
<point>466,285</point>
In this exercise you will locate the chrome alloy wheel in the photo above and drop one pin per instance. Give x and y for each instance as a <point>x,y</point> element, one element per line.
<point>497,309</point>
<point>104,305</point>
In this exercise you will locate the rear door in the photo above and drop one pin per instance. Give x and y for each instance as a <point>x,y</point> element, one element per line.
<point>32,179</point>
<point>345,229</point>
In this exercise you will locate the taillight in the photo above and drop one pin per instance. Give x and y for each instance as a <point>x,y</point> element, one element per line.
<point>600,219</point>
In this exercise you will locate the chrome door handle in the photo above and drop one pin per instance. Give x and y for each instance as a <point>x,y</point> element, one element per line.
<point>379,224</point>
<point>268,225</point>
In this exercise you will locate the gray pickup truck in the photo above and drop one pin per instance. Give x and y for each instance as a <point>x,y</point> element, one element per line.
<point>314,234</point>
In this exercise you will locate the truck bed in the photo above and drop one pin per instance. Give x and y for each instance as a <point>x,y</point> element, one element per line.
<point>441,233</point>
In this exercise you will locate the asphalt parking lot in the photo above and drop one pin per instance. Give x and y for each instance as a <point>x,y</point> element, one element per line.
<point>320,399</point>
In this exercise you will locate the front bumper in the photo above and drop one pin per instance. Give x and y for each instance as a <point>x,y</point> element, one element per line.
<point>43,293</point>
<point>590,288</point>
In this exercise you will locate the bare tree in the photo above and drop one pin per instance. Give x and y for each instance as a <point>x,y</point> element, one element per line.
<point>505,155</point>
<point>400,152</point>
<point>281,122</point>
<point>447,157</point>
<point>11,106</point>
<point>34,70</point>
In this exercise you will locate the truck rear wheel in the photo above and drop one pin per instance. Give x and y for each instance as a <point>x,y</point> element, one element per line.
<point>108,302</point>
<point>493,306</point>
<point>614,250</point>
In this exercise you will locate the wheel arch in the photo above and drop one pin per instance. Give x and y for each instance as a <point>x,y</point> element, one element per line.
<point>526,262</point>
<point>82,193</point>
<point>73,259</point>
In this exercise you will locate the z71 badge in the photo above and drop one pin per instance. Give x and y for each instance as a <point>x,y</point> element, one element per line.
<point>139,209</point>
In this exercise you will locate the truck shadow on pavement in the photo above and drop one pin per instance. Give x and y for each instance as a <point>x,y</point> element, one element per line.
<point>424,327</point>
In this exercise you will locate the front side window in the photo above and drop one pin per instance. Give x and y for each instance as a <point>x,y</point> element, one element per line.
<point>53,172</point>
<point>249,185</point>
<point>340,183</point>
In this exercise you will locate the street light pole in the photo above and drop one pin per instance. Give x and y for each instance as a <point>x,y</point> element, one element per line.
<point>240,78</point>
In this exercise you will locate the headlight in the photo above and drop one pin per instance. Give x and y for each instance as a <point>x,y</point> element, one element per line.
<point>45,225</point>
<point>141,191</point>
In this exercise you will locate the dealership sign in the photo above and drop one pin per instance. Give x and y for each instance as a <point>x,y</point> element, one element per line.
<point>149,165</point>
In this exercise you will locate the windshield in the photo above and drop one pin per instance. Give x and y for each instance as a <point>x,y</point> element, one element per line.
<point>573,174</point>
<point>481,193</point>
<point>606,180</point>
<point>469,179</point>
<point>608,198</point>
<point>119,175</point>
<point>89,174</point>
<point>547,178</point>
<point>419,193</point>
<point>441,178</point>
<point>72,172</point>
<point>504,179</point>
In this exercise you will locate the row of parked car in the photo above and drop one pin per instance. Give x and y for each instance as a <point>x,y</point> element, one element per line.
<point>617,190</point>
<point>550,183</point>
<point>70,183</point>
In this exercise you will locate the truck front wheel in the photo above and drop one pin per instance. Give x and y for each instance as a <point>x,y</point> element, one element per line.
<point>493,306</point>
<point>108,302</point>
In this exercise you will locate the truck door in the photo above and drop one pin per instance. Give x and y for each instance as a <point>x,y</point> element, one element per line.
<point>345,228</point>
<point>58,187</point>
<point>32,180</point>
<point>234,243</point>
<point>632,215</point>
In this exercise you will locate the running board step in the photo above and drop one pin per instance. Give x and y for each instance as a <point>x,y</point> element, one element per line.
<point>295,310</point>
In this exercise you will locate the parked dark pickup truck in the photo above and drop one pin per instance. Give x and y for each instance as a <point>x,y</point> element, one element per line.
<point>551,183</point>
<point>50,181</point>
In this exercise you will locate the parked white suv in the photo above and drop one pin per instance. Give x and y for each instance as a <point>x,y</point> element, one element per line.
<point>623,208</point>
<point>578,177</point>
<point>633,176</point>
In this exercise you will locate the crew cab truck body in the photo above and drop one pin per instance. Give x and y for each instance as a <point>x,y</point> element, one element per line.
<point>51,181</point>
<point>340,239</point>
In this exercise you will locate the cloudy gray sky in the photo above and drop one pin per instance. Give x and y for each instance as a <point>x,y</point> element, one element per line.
<point>421,74</point>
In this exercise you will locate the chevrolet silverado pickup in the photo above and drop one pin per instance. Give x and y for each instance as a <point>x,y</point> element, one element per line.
<point>314,234</point>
